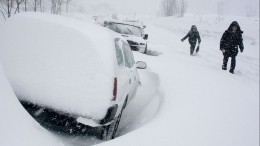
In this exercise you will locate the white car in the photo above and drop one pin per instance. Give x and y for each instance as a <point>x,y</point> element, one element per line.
<point>70,75</point>
<point>137,22</point>
<point>133,34</point>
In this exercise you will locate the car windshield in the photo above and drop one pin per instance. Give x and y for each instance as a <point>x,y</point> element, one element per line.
<point>137,23</point>
<point>125,29</point>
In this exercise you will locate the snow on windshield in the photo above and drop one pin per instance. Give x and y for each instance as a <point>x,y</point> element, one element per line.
<point>125,29</point>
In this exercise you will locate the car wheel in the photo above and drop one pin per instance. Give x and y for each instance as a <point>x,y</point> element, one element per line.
<point>109,132</point>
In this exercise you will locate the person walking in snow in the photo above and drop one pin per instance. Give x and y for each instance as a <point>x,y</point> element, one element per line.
<point>231,39</point>
<point>193,36</point>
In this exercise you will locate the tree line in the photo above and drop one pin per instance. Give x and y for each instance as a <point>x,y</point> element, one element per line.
<point>11,7</point>
<point>173,7</point>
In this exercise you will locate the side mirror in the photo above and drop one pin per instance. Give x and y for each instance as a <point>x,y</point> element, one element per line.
<point>146,36</point>
<point>141,65</point>
<point>144,26</point>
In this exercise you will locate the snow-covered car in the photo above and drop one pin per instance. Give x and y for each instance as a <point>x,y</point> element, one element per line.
<point>67,73</point>
<point>101,19</point>
<point>134,34</point>
<point>137,22</point>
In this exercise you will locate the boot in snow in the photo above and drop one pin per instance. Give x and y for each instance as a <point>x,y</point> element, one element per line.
<point>231,71</point>
<point>224,67</point>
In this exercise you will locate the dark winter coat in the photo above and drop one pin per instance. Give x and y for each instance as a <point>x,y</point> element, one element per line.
<point>193,36</point>
<point>231,40</point>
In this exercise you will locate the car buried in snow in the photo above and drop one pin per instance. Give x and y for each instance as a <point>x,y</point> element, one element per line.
<point>74,76</point>
<point>134,34</point>
<point>135,22</point>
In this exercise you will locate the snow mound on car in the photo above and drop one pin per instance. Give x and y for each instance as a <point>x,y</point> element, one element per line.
<point>58,62</point>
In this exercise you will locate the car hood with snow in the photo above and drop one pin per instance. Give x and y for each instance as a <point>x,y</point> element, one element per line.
<point>53,63</point>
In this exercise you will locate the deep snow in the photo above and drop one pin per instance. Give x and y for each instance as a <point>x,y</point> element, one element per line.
<point>188,100</point>
<point>202,104</point>
<point>17,126</point>
<point>58,62</point>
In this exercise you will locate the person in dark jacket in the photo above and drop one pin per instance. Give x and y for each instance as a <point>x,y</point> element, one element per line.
<point>231,39</point>
<point>193,36</point>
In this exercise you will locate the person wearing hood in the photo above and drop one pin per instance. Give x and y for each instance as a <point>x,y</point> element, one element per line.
<point>229,43</point>
<point>193,36</point>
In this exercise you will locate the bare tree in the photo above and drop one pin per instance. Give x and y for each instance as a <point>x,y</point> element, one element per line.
<point>220,11</point>
<point>56,6</point>
<point>10,7</point>
<point>18,3</point>
<point>3,9</point>
<point>25,5</point>
<point>174,7</point>
<point>41,5</point>
<point>182,8</point>
<point>67,5</point>
<point>6,7</point>
<point>35,4</point>
<point>169,7</point>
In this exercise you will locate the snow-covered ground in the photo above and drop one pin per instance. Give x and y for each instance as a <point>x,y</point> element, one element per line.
<point>184,100</point>
<point>201,104</point>
<point>17,126</point>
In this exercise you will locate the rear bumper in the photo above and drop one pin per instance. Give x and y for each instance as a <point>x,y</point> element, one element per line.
<point>66,123</point>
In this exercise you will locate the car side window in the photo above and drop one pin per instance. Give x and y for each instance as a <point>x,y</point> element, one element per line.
<point>128,55</point>
<point>126,45</point>
<point>119,53</point>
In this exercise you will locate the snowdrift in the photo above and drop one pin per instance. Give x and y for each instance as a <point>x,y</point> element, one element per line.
<point>17,126</point>
<point>201,104</point>
<point>58,62</point>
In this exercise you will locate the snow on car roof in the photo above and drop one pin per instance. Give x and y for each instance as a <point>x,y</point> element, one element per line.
<point>59,63</point>
<point>122,22</point>
<point>134,22</point>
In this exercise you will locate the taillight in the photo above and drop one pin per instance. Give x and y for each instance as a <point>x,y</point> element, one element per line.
<point>115,89</point>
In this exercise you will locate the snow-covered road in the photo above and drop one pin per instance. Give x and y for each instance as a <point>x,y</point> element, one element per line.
<point>196,102</point>
<point>202,104</point>
<point>188,100</point>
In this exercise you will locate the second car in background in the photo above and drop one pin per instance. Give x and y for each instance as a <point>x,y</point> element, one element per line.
<point>134,34</point>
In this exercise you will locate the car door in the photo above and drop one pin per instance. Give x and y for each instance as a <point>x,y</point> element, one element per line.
<point>123,72</point>
<point>134,71</point>
<point>130,63</point>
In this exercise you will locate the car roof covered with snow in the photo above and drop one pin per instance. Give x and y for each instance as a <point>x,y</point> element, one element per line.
<point>60,63</point>
<point>137,23</point>
<point>122,22</point>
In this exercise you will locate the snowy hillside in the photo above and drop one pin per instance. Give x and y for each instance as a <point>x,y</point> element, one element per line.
<point>184,100</point>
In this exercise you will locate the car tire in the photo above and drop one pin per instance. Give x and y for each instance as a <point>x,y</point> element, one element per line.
<point>109,132</point>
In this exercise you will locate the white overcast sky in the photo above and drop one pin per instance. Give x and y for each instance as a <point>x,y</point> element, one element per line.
<point>232,7</point>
